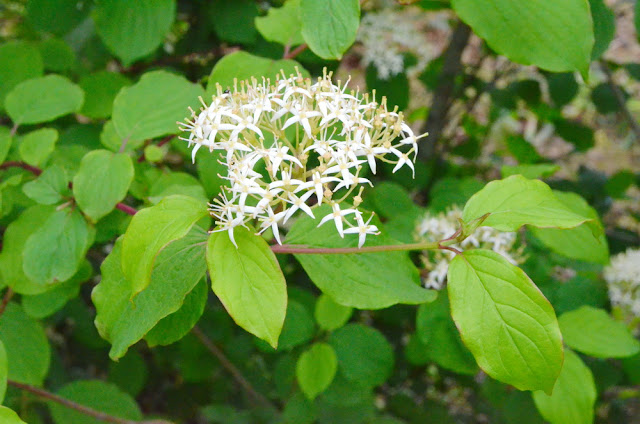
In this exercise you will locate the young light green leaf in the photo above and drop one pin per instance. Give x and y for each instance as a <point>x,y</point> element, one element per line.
<point>604,27</point>
<point>316,368</point>
<point>177,183</point>
<point>580,242</point>
<point>5,142</point>
<point>364,355</point>
<point>592,331</point>
<point>556,35</point>
<point>530,171</point>
<point>150,230</point>
<point>97,395</point>
<point>504,320</point>
<point>176,273</point>
<point>329,27</point>
<point>101,182</point>
<point>8,416</point>
<point>133,30</point>
<point>243,66</point>
<point>19,61</point>
<point>331,315</point>
<point>517,201</point>
<point>350,279</point>
<point>100,90</point>
<point>574,394</point>
<point>36,146</point>
<point>43,99</point>
<point>151,107</point>
<point>248,281</point>
<point>282,24</point>
<point>53,252</point>
<point>49,187</point>
<point>4,370</point>
<point>26,345</point>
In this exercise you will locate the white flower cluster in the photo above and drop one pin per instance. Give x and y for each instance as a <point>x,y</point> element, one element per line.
<point>623,281</point>
<point>434,228</point>
<point>295,142</point>
<point>387,34</point>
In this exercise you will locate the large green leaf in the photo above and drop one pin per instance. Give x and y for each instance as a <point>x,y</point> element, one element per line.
<point>101,182</point>
<point>100,90</point>
<point>248,281</point>
<point>36,146</point>
<point>504,320</point>
<point>151,107</point>
<point>150,230</point>
<point>242,66</point>
<point>19,61</point>
<point>8,416</point>
<point>177,271</point>
<point>282,24</point>
<point>97,395</point>
<point>574,394</point>
<point>26,345</point>
<point>556,35</point>
<point>43,99</point>
<point>359,280</point>
<point>580,242</point>
<point>592,331</point>
<point>53,252</point>
<point>49,187</point>
<point>316,368</point>
<point>132,30</point>
<point>329,27</point>
<point>517,201</point>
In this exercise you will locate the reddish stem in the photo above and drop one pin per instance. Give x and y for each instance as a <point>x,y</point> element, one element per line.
<point>126,209</point>
<point>16,164</point>
<point>295,52</point>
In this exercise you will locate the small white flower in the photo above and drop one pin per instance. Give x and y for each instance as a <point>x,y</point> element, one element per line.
<point>338,216</point>
<point>362,229</point>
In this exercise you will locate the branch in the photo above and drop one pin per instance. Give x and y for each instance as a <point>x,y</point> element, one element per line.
<point>306,250</point>
<point>77,407</point>
<point>295,52</point>
<point>633,123</point>
<point>232,369</point>
<point>5,300</point>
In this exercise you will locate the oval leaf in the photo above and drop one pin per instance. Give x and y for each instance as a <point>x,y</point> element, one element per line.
<point>329,27</point>
<point>574,394</point>
<point>556,35</point>
<point>316,368</point>
<point>504,320</point>
<point>7,416</point>
<point>592,331</point>
<point>331,315</point>
<point>248,281</point>
<point>282,24</point>
<point>49,187</point>
<point>101,182</point>
<point>36,147</point>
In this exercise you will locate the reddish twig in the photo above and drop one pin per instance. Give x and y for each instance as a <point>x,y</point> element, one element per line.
<point>16,164</point>
<point>307,250</point>
<point>126,209</point>
<point>5,300</point>
<point>295,52</point>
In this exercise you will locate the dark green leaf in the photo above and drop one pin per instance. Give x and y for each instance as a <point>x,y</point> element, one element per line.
<point>4,370</point>
<point>56,16</point>
<point>234,21</point>
<point>530,171</point>
<point>57,55</point>
<point>604,27</point>
<point>100,90</point>
<point>581,136</point>
<point>563,87</point>
<point>19,61</point>
<point>5,142</point>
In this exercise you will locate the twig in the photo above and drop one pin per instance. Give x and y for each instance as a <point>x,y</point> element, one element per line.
<point>295,52</point>
<point>16,164</point>
<point>306,250</point>
<point>233,370</point>
<point>126,208</point>
<point>633,123</point>
<point>5,300</point>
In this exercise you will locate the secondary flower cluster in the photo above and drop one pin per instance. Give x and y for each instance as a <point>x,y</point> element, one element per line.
<point>295,143</point>
<point>438,227</point>
<point>623,280</point>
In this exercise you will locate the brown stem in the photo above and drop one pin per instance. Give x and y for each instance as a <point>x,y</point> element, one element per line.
<point>295,52</point>
<point>232,369</point>
<point>16,164</point>
<point>76,406</point>
<point>633,123</point>
<point>5,300</point>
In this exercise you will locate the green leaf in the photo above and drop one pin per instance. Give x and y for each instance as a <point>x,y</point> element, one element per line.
<point>36,146</point>
<point>233,21</point>
<point>210,173</point>
<point>130,373</point>
<point>331,315</point>
<point>574,395</point>
<point>449,191</point>
<point>391,199</point>
<point>177,183</point>
<point>53,252</point>
<point>298,327</point>
<point>26,345</point>
<point>580,242</point>
<point>530,171</point>
<point>95,394</point>
<point>173,327</point>
<point>364,355</point>
<point>4,370</point>
<point>282,24</point>
<point>101,182</point>
<point>248,281</point>
<point>329,27</point>
<point>592,331</point>
<point>150,231</point>
<point>563,87</point>
<point>604,27</point>
<point>242,66</point>
<point>57,55</point>
<point>516,201</point>
<point>43,99</point>
<point>556,35</point>
<point>100,91</point>
<point>581,136</point>
<point>151,107</point>
<point>9,417</point>
<point>5,142</point>
<point>49,187</point>
<point>350,279</point>
<point>504,320</point>
<point>316,368</point>
<point>19,61</point>
<point>133,30</point>
<point>56,16</point>
<point>178,269</point>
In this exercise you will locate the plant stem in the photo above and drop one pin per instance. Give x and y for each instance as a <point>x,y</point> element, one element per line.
<point>306,250</point>
<point>126,209</point>
<point>232,369</point>
<point>5,300</point>
<point>295,52</point>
